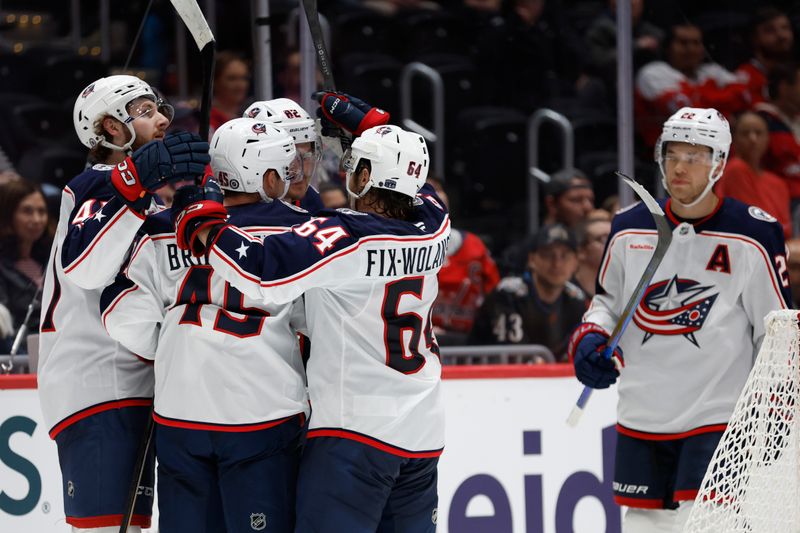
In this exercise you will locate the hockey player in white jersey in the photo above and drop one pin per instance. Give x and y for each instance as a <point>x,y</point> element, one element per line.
<point>291,117</point>
<point>696,332</point>
<point>95,394</point>
<point>230,398</point>
<point>368,278</point>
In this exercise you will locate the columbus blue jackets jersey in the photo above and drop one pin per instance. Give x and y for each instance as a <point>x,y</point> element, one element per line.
<point>369,284</point>
<point>694,336</point>
<point>81,369</point>
<point>223,361</point>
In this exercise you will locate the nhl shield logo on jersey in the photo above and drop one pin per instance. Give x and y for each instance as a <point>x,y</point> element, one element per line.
<point>675,306</point>
<point>760,214</point>
<point>258,521</point>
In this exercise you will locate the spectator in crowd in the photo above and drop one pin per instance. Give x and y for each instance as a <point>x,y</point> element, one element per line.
<point>25,239</point>
<point>793,247</point>
<point>683,80</point>
<point>568,199</point>
<point>468,275</point>
<point>781,114</point>
<point>772,39</point>
<point>541,307</point>
<point>231,87</point>
<point>333,195</point>
<point>744,177</point>
<point>601,39</point>
<point>591,236</point>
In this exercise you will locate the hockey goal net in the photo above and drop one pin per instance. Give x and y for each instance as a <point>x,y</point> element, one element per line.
<point>752,484</point>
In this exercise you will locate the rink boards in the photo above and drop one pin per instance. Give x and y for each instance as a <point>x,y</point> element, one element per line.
<point>511,464</point>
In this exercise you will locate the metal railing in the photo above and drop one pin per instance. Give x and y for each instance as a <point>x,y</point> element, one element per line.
<point>535,173</point>
<point>435,136</point>
<point>494,354</point>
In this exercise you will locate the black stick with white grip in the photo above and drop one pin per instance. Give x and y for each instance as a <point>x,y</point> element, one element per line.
<point>323,59</point>
<point>664,240</point>
<point>196,23</point>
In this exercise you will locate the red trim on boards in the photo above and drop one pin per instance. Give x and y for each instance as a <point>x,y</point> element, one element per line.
<point>556,370</point>
<point>18,381</point>
<point>552,370</point>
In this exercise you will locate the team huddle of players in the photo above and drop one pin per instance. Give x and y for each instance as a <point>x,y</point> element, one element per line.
<point>198,317</point>
<point>142,303</point>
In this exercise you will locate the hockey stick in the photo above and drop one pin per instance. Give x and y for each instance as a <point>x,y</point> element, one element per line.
<point>323,59</point>
<point>190,14</point>
<point>664,240</point>
<point>312,15</point>
<point>196,23</point>
<point>141,460</point>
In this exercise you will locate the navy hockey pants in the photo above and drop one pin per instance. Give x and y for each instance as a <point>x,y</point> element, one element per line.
<point>254,473</point>
<point>97,455</point>
<point>347,486</point>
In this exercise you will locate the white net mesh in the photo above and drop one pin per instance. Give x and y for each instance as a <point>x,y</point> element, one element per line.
<point>753,482</point>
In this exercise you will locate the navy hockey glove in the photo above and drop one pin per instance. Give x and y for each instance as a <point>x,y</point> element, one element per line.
<point>195,208</point>
<point>340,110</point>
<point>180,156</point>
<point>586,348</point>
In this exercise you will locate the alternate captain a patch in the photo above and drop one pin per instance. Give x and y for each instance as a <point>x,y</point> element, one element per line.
<point>720,260</point>
<point>674,306</point>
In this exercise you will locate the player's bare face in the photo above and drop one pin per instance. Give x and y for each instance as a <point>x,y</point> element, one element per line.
<point>309,157</point>
<point>149,122</point>
<point>553,265</point>
<point>30,218</point>
<point>686,167</point>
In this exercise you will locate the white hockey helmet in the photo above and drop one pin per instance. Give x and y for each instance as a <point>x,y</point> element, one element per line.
<point>244,149</point>
<point>287,114</point>
<point>290,116</point>
<point>693,125</point>
<point>399,160</point>
<point>110,96</point>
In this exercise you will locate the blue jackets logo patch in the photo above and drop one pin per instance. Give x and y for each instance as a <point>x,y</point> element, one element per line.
<point>674,307</point>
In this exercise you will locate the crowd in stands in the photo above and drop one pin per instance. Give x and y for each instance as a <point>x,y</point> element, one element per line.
<point>501,60</point>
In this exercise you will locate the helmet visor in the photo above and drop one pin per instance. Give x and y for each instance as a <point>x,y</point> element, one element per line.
<point>294,171</point>
<point>146,106</point>
<point>311,154</point>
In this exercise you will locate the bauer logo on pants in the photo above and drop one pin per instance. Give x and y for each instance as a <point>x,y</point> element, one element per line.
<point>258,521</point>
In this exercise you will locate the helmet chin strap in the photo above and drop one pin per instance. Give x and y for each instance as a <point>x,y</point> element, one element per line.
<point>125,147</point>
<point>709,186</point>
